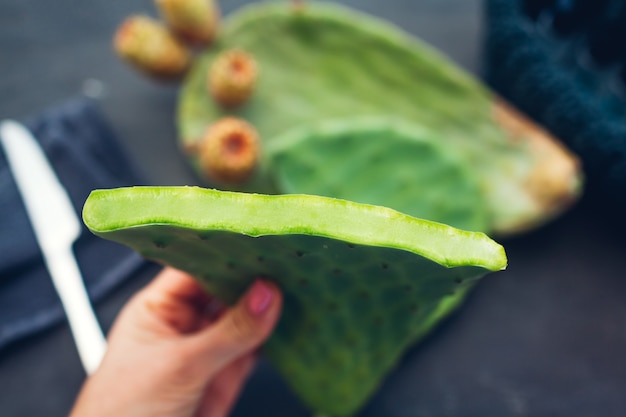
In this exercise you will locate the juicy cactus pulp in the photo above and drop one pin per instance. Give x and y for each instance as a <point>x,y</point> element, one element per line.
<point>361,283</point>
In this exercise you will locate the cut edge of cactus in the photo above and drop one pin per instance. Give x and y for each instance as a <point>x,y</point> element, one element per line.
<point>257,215</point>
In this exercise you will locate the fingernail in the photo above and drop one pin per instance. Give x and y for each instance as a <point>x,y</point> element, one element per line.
<point>260,298</point>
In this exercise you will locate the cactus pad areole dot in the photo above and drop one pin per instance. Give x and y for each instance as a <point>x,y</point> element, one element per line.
<point>361,283</point>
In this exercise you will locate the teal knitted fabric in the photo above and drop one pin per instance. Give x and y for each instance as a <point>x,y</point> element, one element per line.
<point>564,64</point>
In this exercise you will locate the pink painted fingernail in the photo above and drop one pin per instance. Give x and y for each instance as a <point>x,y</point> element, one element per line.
<point>260,298</point>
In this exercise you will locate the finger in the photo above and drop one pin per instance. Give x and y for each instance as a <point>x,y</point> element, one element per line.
<point>173,302</point>
<point>222,392</point>
<point>213,312</point>
<point>177,285</point>
<point>240,330</point>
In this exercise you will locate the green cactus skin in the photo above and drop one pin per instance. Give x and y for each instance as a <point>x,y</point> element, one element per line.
<point>361,283</point>
<point>316,68</point>
<point>412,173</point>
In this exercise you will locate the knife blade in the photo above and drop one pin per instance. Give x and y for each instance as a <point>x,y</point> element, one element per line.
<point>56,228</point>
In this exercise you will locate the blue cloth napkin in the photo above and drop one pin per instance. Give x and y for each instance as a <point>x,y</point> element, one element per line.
<point>85,155</point>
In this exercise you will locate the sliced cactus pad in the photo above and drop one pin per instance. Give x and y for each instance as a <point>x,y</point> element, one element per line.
<point>361,283</point>
<point>325,62</point>
<point>413,173</point>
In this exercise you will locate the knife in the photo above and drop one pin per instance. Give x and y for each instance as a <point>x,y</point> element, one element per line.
<point>56,228</point>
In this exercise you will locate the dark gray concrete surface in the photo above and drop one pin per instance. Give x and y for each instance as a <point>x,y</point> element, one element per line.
<point>545,338</point>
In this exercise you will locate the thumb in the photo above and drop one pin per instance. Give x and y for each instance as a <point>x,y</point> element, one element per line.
<point>240,330</point>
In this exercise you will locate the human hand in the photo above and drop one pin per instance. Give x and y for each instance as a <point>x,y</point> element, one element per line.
<point>168,357</point>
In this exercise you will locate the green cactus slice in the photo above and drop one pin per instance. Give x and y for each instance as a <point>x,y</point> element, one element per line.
<point>360,282</point>
<point>390,162</point>
<point>329,62</point>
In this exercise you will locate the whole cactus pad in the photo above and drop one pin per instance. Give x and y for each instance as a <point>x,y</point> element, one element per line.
<point>361,283</point>
<point>324,62</point>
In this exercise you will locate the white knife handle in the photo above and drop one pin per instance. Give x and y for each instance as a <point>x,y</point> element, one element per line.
<point>89,339</point>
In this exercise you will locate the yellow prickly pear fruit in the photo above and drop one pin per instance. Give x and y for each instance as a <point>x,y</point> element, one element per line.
<point>229,151</point>
<point>195,21</point>
<point>232,77</point>
<point>150,47</point>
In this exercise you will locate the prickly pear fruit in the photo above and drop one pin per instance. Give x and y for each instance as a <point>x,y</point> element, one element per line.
<point>396,75</point>
<point>195,21</point>
<point>150,47</point>
<point>229,151</point>
<point>361,283</point>
<point>232,77</point>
